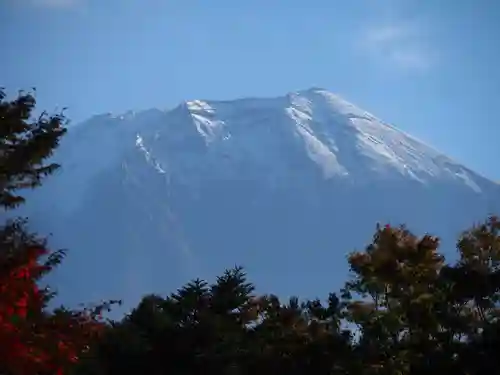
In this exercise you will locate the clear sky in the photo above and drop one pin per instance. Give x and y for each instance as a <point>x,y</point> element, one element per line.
<point>431,67</point>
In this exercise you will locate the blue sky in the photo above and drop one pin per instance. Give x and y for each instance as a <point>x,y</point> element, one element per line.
<point>430,67</point>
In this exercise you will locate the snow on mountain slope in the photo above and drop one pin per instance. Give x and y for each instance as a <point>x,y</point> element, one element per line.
<point>284,186</point>
<point>358,144</point>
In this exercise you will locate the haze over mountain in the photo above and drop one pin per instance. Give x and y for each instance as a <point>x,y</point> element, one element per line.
<point>284,186</point>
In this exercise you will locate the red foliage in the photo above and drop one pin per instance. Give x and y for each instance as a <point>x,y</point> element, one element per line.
<point>33,341</point>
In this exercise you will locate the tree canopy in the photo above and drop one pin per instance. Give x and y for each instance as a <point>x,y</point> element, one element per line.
<point>404,310</point>
<point>25,145</point>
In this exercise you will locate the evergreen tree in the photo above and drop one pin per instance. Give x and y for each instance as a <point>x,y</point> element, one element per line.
<point>25,144</point>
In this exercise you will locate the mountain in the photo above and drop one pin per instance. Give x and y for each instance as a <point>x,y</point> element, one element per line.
<point>284,186</point>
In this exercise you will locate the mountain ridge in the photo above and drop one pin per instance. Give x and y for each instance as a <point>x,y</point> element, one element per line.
<point>187,104</point>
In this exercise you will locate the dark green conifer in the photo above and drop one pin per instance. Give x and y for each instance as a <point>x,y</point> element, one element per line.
<point>25,144</point>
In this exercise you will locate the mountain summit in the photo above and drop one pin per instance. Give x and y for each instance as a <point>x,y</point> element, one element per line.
<point>284,186</point>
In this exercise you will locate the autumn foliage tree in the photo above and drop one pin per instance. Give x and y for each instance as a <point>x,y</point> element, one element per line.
<point>33,340</point>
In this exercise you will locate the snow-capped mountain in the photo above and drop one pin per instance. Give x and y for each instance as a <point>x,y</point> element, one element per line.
<point>284,186</point>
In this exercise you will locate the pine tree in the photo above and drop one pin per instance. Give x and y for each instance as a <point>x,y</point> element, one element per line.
<point>25,144</point>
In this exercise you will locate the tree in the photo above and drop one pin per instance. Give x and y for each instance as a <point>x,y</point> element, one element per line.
<point>416,314</point>
<point>223,328</point>
<point>33,340</point>
<point>395,281</point>
<point>25,144</point>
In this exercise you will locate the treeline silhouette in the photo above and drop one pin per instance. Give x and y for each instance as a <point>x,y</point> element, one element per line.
<point>403,309</point>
